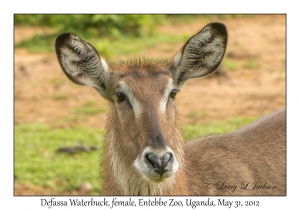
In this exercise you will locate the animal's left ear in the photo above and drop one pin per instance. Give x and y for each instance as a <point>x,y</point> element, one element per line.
<point>201,54</point>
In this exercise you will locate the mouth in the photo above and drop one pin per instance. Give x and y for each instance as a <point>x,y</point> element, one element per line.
<point>158,178</point>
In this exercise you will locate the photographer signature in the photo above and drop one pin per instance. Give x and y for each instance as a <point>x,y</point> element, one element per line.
<point>222,185</point>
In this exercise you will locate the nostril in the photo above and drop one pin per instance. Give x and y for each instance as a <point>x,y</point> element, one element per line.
<point>160,165</point>
<point>165,159</point>
<point>154,160</point>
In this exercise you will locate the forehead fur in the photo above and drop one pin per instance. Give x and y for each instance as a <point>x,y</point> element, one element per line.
<point>140,66</point>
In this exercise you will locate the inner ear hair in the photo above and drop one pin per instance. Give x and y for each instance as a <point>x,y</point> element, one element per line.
<point>81,62</point>
<point>201,54</point>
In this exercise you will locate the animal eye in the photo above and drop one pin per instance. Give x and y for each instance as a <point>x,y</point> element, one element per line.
<point>120,96</point>
<point>174,93</point>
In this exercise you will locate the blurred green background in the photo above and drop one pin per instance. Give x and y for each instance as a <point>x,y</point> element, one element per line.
<point>37,160</point>
<point>112,35</point>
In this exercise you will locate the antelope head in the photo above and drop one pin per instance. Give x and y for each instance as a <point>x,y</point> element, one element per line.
<point>142,131</point>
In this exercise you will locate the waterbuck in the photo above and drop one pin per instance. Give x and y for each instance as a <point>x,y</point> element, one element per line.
<point>144,152</point>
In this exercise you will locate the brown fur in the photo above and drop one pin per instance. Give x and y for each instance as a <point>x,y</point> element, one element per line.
<point>255,153</point>
<point>144,153</point>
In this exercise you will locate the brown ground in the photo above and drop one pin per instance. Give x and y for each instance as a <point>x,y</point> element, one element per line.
<point>43,94</point>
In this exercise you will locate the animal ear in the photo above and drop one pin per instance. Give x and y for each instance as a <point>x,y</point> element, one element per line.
<point>201,54</point>
<point>81,62</point>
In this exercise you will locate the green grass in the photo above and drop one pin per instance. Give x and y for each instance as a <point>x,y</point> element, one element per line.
<point>196,114</point>
<point>191,18</point>
<point>38,43</point>
<point>57,97</point>
<point>80,113</point>
<point>37,161</point>
<point>230,64</point>
<point>112,35</point>
<point>88,108</point>
<point>108,47</point>
<point>251,64</point>
<point>132,45</point>
<point>57,82</point>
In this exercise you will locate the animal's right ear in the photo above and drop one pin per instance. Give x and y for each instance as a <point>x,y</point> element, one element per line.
<point>81,63</point>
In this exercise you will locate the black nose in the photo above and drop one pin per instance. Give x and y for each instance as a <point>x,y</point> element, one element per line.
<point>160,165</point>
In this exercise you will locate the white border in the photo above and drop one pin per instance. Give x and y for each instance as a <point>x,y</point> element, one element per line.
<point>8,8</point>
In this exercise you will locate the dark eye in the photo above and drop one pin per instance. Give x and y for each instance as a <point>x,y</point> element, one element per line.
<point>120,96</point>
<point>174,93</point>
